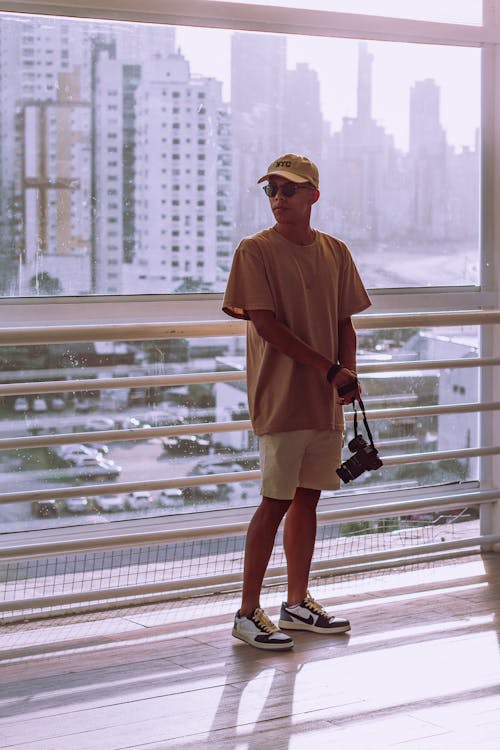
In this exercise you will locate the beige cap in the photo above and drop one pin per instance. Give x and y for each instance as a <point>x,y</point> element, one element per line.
<point>294,168</point>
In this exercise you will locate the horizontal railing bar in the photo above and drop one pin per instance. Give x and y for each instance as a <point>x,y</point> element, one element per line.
<point>100,384</point>
<point>139,433</point>
<point>192,481</point>
<point>213,583</point>
<point>96,490</point>
<point>428,411</point>
<point>410,551</point>
<point>168,536</point>
<point>145,433</point>
<point>18,335</point>
<point>418,458</point>
<point>151,381</point>
<point>406,507</point>
<point>428,364</point>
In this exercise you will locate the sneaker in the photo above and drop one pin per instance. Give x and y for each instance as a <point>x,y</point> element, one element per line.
<point>309,615</point>
<point>257,630</point>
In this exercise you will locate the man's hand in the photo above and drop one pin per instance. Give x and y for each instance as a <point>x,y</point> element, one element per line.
<point>343,378</point>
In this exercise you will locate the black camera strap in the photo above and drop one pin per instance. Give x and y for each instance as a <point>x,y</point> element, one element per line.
<point>365,421</point>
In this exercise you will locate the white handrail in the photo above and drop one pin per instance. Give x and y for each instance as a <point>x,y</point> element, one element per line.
<point>96,490</point>
<point>170,536</point>
<point>201,428</point>
<point>99,384</point>
<point>19,335</point>
<point>228,581</point>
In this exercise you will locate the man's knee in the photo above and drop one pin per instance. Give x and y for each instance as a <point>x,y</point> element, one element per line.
<point>306,497</point>
<point>273,508</point>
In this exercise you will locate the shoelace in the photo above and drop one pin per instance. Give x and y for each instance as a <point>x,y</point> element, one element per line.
<point>312,604</point>
<point>263,622</point>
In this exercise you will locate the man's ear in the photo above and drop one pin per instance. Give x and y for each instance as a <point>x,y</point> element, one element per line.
<point>316,196</point>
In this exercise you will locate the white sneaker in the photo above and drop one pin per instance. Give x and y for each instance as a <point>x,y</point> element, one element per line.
<point>310,615</point>
<point>257,630</point>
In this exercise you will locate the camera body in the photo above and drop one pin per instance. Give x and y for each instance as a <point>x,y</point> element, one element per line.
<point>364,458</point>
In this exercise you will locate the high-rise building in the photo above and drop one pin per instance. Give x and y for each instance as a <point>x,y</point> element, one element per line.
<point>302,112</point>
<point>176,157</point>
<point>428,158</point>
<point>258,67</point>
<point>224,208</point>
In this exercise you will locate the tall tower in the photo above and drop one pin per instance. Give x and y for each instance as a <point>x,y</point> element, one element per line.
<point>258,66</point>
<point>426,133</point>
<point>303,109</point>
<point>365,63</point>
<point>428,158</point>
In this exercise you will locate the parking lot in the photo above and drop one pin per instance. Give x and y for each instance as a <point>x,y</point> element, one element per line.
<point>136,460</point>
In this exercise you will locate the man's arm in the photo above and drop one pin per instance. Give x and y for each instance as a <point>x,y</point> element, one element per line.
<point>347,355</point>
<point>285,341</point>
<point>347,344</point>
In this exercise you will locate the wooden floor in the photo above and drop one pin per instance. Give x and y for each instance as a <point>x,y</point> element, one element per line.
<point>419,671</point>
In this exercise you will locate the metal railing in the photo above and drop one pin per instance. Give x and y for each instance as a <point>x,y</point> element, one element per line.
<point>21,560</point>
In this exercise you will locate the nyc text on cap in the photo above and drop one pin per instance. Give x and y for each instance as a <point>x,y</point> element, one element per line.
<point>294,168</point>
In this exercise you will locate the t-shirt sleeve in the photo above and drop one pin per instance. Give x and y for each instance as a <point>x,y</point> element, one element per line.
<point>247,287</point>
<point>353,295</point>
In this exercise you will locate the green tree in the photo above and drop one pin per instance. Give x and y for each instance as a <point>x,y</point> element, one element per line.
<point>43,284</point>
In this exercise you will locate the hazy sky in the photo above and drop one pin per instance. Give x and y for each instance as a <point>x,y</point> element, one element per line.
<point>396,67</point>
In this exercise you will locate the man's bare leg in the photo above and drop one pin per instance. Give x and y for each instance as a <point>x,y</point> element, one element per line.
<point>258,548</point>
<point>298,540</point>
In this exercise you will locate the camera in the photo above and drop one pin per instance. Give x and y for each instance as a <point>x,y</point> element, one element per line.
<point>365,455</point>
<point>365,458</point>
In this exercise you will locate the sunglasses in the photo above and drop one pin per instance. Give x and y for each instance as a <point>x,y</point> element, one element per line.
<point>287,188</point>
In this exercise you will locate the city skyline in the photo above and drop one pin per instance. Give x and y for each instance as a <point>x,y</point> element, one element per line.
<point>456,70</point>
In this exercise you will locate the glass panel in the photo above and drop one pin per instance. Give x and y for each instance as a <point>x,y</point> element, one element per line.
<point>95,460</point>
<point>129,156</point>
<point>448,11</point>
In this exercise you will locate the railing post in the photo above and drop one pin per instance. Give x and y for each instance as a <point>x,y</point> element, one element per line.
<point>490,337</point>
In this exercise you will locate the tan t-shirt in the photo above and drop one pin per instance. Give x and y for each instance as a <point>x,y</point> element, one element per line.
<point>309,288</point>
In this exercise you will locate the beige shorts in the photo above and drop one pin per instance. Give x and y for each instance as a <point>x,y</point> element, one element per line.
<point>302,458</point>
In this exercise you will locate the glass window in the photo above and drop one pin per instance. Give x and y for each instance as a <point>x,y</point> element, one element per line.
<point>393,127</point>
<point>217,452</point>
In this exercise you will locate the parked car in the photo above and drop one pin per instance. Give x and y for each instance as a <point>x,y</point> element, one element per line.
<point>21,404</point>
<point>39,404</point>
<point>45,508</point>
<point>101,448</point>
<point>186,444</point>
<point>216,465</point>
<point>139,500</point>
<point>156,417</point>
<point>56,403</point>
<point>77,504</point>
<point>100,423</point>
<point>72,453</point>
<point>82,405</point>
<point>171,497</point>
<point>205,492</point>
<point>89,466</point>
<point>109,503</point>
<point>128,423</point>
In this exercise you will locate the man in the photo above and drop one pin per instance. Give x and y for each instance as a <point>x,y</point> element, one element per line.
<point>298,287</point>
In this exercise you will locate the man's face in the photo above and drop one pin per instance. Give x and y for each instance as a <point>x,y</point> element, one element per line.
<point>294,209</point>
